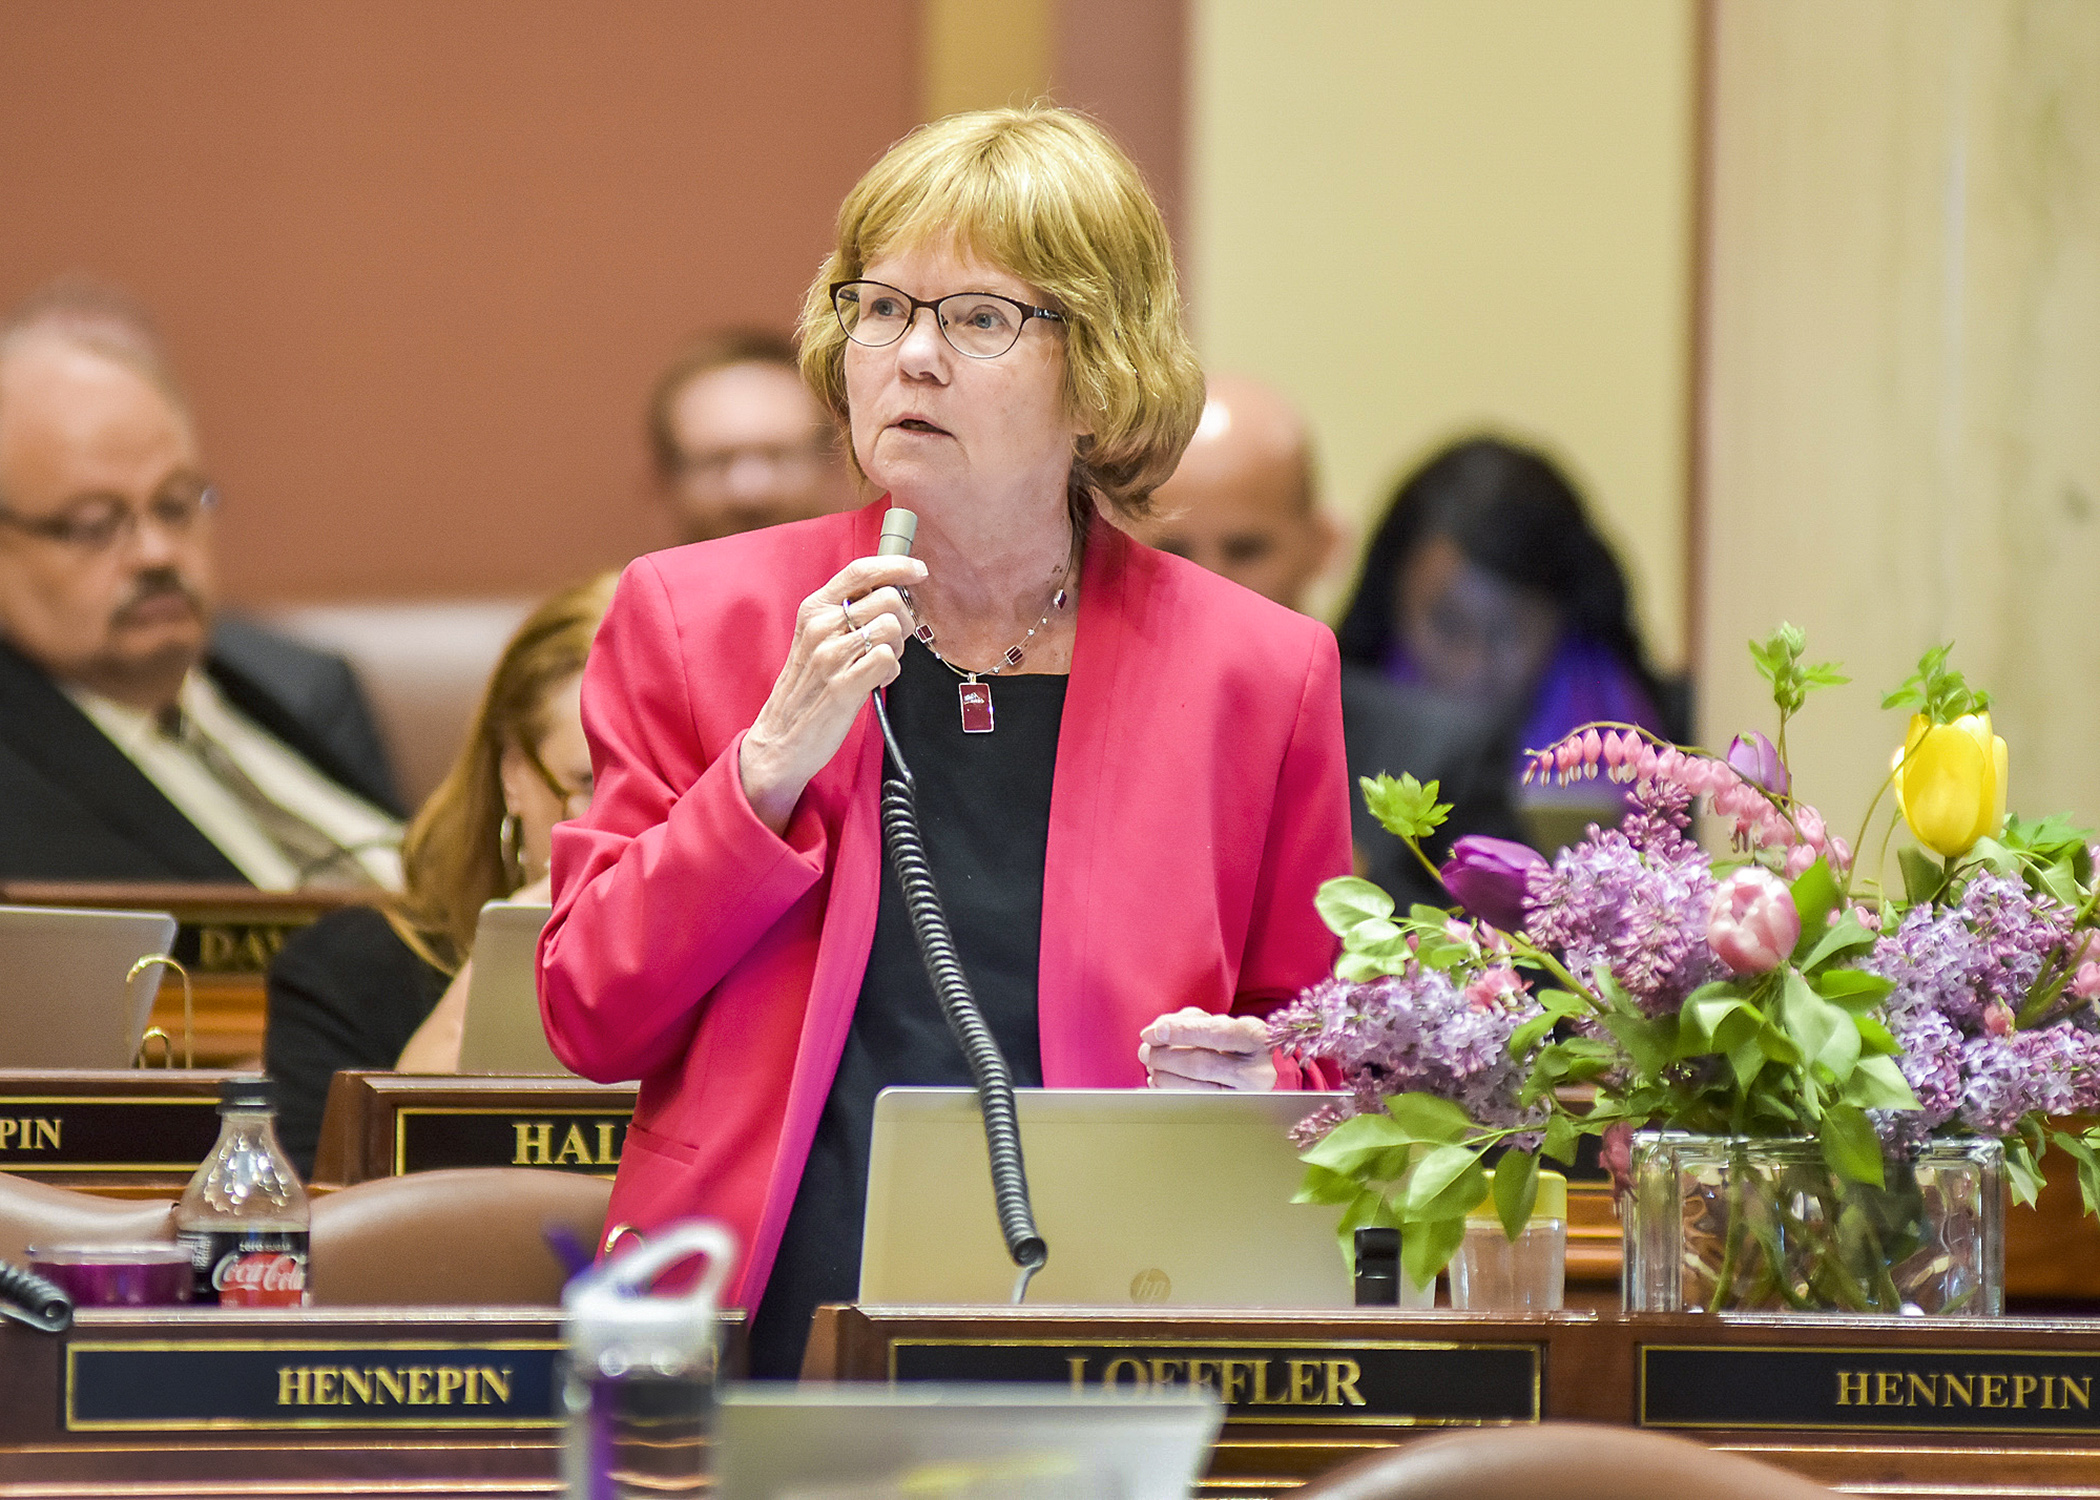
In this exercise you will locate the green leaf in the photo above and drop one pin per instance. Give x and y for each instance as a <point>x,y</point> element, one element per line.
<point>1815,892</point>
<point>1700,1020</point>
<point>2021,1173</point>
<point>1426,1118</point>
<point>1446,1181</point>
<point>1322,1185</point>
<point>1811,1022</point>
<point>1778,1046</point>
<point>1994,855</point>
<point>1347,900</point>
<point>1516,1189</point>
<point>1875,1039</point>
<point>1652,1044</point>
<point>1852,988</point>
<point>1877,1083</point>
<point>1371,933</point>
<point>1923,876</point>
<point>1356,968</point>
<point>2058,880</point>
<point>1747,1057</point>
<point>1561,1138</point>
<point>1426,1247</point>
<point>1529,1035</point>
<point>2088,1167</point>
<point>1405,807</point>
<point>1353,1142</point>
<point>1562,1004</point>
<point>1849,933</point>
<point>1850,1146</point>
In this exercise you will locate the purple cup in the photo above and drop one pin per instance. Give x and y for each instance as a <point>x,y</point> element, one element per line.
<point>149,1275</point>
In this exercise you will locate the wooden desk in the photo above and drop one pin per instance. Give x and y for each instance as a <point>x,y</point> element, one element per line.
<point>133,1133</point>
<point>380,1124</point>
<point>1831,1398</point>
<point>226,937</point>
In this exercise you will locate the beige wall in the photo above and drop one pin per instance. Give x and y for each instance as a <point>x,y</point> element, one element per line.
<point>1425,216</point>
<point>1904,376</point>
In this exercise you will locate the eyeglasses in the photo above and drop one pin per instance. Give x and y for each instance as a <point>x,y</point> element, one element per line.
<point>104,522</point>
<point>712,467</point>
<point>567,796</point>
<point>983,325</point>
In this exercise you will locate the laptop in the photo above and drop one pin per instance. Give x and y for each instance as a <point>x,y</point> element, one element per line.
<point>957,1442</point>
<point>1145,1196</point>
<point>503,1032</point>
<point>65,1001</point>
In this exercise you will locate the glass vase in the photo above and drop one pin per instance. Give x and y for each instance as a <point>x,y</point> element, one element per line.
<point>1740,1224</point>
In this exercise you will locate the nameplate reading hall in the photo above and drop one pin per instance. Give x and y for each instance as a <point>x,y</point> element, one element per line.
<point>428,1138</point>
<point>251,1385</point>
<point>1864,1388</point>
<point>1383,1382</point>
<point>74,1133</point>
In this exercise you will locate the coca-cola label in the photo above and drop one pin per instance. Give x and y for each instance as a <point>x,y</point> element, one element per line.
<point>248,1268</point>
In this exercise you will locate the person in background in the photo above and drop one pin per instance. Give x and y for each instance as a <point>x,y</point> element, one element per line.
<point>1243,504</point>
<point>1487,582</point>
<point>736,441</point>
<point>142,736</point>
<point>1130,773</point>
<point>356,989</point>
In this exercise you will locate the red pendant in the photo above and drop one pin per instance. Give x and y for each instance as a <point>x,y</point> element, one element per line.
<point>976,706</point>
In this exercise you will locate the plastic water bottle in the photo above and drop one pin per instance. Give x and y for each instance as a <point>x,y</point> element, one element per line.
<point>244,1217</point>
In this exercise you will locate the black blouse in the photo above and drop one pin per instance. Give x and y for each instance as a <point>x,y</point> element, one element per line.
<point>984,812</point>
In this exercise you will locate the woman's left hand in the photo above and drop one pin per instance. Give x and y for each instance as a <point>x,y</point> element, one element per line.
<point>1193,1049</point>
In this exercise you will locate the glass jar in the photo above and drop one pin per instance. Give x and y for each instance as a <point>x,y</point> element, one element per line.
<point>1747,1224</point>
<point>1492,1272</point>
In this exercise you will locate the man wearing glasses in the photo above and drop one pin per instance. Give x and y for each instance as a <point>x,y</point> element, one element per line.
<point>137,740</point>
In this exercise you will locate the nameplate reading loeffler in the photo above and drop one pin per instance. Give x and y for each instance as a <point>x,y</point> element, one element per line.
<point>268,1384</point>
<point>1866,1388</point>
<point>80,1133</point>
<point>569,1140</point>
<point>1382,1382</point>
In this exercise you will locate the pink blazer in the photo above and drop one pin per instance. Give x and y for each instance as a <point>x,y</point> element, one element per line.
<point>1199,799</point>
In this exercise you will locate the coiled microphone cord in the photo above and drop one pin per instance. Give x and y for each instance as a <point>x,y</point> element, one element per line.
<point>29,1298</point>
<point>951,986</point>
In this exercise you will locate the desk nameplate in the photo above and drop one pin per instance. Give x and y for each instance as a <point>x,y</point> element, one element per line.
<point>432,1137</point>
<point>1868,1388</point>
<point>1350,1382</point>
<point>48,1133</point>
<point>257,1385</point>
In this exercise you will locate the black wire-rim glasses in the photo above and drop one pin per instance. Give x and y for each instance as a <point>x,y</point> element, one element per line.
<point>982,325</point>
<point>104,522</point>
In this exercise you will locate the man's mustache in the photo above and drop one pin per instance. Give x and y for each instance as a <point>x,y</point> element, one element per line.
<point>159,584</point>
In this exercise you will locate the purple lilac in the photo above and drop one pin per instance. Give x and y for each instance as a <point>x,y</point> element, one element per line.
<point>1396,1035</point>
<point>2055,1070</point>
<point>1993,946</point>
<point>1634,901</point>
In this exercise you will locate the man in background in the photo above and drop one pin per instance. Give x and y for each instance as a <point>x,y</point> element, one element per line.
<point>141,739</point>
<point>737,441</point>
<point>1242,504</point>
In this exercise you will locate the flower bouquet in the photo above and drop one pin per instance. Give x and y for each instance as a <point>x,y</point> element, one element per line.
<point>1828,1073</point>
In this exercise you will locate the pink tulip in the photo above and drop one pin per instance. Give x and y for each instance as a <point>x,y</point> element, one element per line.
<point>1753,925</point>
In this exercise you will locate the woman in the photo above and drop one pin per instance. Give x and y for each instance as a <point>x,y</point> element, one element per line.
<point>1487,582</point>
<point>1129,771</point>
<point>352,990</point>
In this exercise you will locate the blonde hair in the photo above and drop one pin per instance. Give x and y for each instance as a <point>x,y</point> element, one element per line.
<point>452,856</point>
<point>1046,195</point>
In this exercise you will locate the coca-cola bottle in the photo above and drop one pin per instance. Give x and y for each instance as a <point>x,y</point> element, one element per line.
<point>244,1217</point>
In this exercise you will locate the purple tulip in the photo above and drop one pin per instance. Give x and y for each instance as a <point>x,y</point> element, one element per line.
<point>1488,877</point>
<point>1754,924</point>
<point>1757,760</point>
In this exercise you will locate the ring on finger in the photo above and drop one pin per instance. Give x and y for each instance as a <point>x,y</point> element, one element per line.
<point>866,645</point>
<point>847,611</point>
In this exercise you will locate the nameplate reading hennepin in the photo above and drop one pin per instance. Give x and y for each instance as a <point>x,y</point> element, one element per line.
<point>1384,1382</point>
<point>1864,1388</point>
<point>243,1385</point>
<point>66,1133</point>
<point>569,1140</point>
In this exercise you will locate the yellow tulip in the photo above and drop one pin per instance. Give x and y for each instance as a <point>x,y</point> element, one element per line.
<point>1950,782</point>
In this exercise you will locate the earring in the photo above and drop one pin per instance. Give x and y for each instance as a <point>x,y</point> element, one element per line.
<point>510,841</point>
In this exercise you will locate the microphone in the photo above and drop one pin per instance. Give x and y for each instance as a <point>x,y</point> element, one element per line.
<point>899,528</point>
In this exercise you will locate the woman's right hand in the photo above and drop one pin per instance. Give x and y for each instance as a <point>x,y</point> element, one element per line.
<point>831,668</point>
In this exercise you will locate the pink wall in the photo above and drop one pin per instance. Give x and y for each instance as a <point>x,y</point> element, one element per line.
<point>418,259</point>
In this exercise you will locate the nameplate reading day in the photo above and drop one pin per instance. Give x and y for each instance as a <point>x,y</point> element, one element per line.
<point>1387,1383</point>
<point>74,1133</point>
<point>247,1385</point>
<point>428,1138</point>
<point>1863,1389</point>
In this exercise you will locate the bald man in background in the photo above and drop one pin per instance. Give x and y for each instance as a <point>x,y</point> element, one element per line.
<point>1242,504</point>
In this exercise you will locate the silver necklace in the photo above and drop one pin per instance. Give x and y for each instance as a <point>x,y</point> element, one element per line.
<point>976,696</point>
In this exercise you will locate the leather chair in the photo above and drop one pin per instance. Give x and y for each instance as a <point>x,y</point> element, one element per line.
<point>1566,1460</point>
<point>430,1239</point>
<point>35,1213</point>
<point>471,1236</point>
